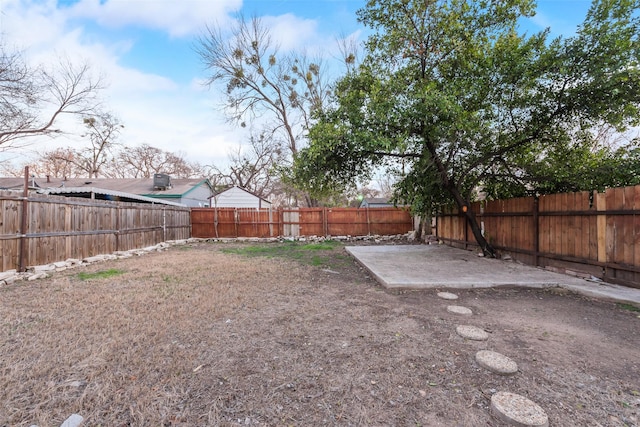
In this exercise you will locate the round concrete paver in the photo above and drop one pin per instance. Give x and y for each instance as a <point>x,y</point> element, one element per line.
<point>457,309</point>
<point>447,295</point>
<point>496,362</point>
<point>517,410</point>
<point>472,333</point>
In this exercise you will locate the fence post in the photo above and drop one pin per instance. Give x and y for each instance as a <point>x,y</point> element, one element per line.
<point>368,222</point>
<point>117,226</point>
<point>164,224</point>
<point>536,231</point>
<point>215,221</point>
<point>466,232</point>
<point>236,220</point>
<point>325,222</point>
<point>601,205</point>
<point>24,223</point>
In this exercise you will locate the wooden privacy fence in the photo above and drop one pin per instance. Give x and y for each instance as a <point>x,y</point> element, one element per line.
<point>40,229</point>
<point>593,233</point>
<point>247,222</point>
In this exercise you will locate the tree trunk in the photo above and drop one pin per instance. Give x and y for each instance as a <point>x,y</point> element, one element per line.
<point>419,228</point>
<point>461,202</point>
<point>486,247</point>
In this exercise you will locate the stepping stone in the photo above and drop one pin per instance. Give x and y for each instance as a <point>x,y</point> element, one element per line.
<point>517,410</point>
<point>472,333</point>
<point>496,362</point>
<point>457,309</point>
<point>447,295</point>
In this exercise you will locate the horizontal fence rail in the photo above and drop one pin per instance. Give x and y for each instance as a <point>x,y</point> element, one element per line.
<point>41,229</point>
<point>248,222</point>
<point>591,233</point>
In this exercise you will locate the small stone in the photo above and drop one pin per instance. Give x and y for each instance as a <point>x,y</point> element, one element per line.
<point>517,410</point>
<point>42,268</point>
<point>472,333</point>
<point>73,421</point>
<point>76,383</point>
<point>496,362</point>
<point>447,295</point>
<point>457,309</point>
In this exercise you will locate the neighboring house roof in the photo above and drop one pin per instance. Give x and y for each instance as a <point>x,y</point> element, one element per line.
<point>117,187</point>
<point>375,201</point>
<point>102,194</point>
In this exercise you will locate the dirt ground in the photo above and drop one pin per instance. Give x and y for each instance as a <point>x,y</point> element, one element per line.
<point>197,336</point>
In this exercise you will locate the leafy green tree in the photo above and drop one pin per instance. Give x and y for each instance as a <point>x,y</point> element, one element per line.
<point>591,162</point>
<point>453,98</point>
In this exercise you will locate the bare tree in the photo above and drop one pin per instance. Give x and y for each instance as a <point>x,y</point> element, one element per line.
<point>264,86</point>
<point>130,162</point>
<point>9,169</point>
<point>349,50</point>
<point>252,166</point>
<point>386,182</point>
<point>144,161</point>
<point>32,100</point>
<point>261,81</point>
<point>58,163</point>
<point>103,130</point>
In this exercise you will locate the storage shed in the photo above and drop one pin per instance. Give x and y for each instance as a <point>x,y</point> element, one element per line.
<point>236,197</point>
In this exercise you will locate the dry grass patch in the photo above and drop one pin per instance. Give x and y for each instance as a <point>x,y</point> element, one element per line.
<point>194,336</point>
<point>123,345</point>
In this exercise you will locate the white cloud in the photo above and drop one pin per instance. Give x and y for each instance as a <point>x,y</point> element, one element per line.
<point>176,121</point>
<point>291,32</point>
<point>25,24</point>
<point>178,18</point>
<point>154,108</point>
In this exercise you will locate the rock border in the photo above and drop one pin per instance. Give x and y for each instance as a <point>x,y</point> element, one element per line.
<point>43,271</point>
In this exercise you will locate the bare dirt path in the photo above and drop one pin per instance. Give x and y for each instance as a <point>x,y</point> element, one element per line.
<point>194,336</point>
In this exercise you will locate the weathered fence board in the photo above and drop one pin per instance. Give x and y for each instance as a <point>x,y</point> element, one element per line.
<point>593,233</point>
<point>58,228</point>
<point>247,222</point>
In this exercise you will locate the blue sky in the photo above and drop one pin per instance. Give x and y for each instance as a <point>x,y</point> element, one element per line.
<point>145,51</point>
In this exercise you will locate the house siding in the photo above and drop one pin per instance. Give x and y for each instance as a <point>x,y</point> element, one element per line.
<point>198,197</point>
<point>236,197</point>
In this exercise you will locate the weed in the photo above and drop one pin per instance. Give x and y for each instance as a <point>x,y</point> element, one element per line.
<point>168,279</point>
<point>104,274</point>
<point>324,254</point>
<point>629,307</point>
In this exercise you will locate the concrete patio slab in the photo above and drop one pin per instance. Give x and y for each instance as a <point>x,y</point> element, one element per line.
<point>441,266</point>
